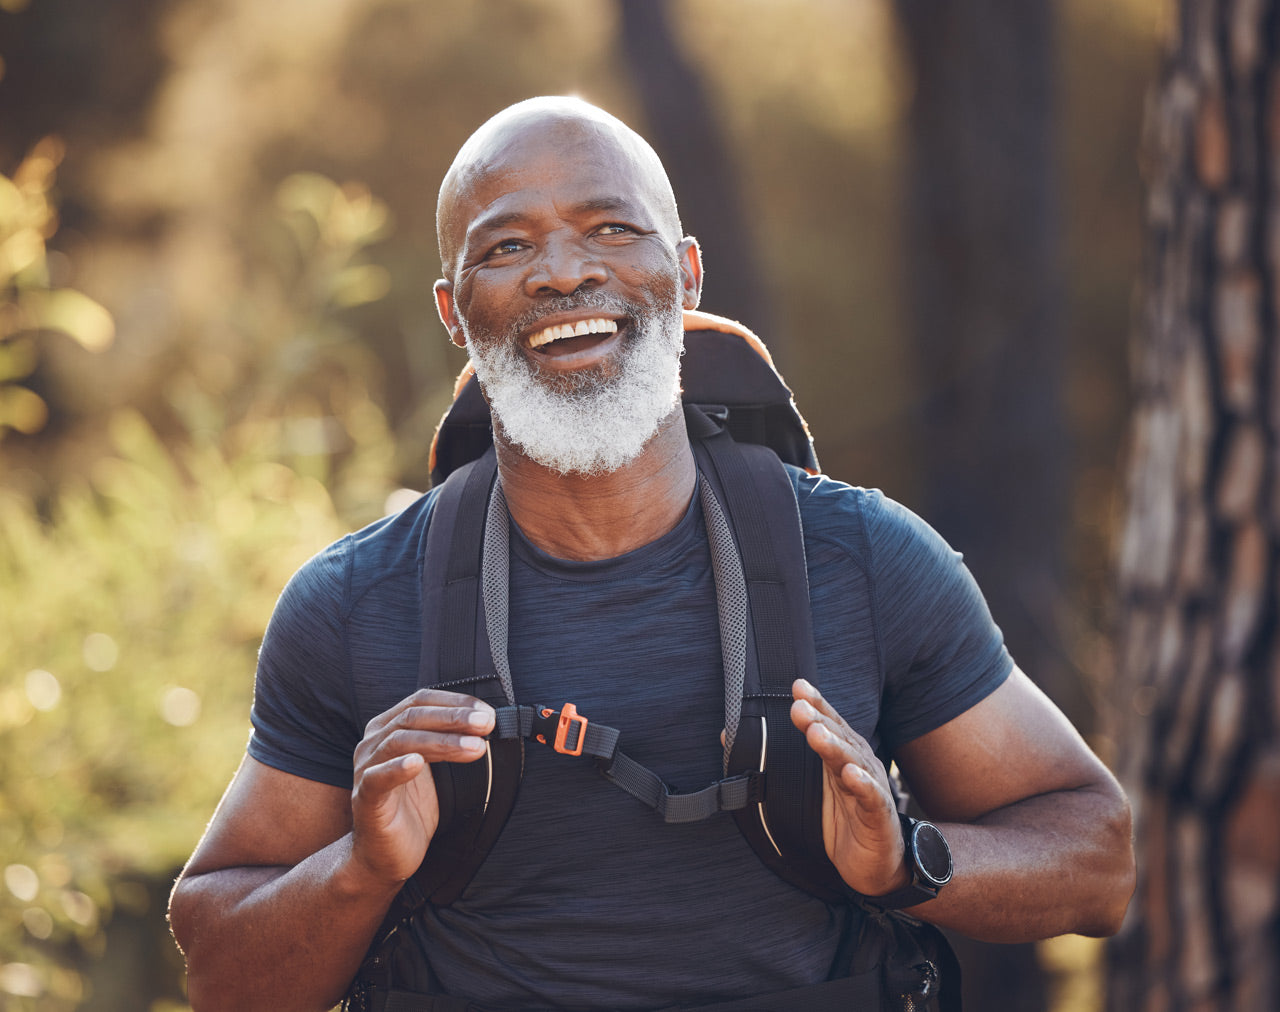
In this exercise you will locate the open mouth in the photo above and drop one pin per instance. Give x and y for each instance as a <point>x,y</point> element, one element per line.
<point>569,338</point>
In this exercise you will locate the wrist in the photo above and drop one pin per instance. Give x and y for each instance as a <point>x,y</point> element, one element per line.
<point>355,878</point>
<point>901,878</point>
<point>927,863</point>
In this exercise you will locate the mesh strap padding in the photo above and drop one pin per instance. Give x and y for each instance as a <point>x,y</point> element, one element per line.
<point>495,573</point>
<point>731,602</point>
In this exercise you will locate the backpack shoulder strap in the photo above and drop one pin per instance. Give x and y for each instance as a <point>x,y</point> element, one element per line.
<point>785,826</point>
<point>785,829</point>
<point>475,798</point>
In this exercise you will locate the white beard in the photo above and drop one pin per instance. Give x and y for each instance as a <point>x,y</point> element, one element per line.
<point>585,423</point>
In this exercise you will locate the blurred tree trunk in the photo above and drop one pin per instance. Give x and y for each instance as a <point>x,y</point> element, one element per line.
<point>686,133</point>
<point>1200,660</point>
<point>987,318</point>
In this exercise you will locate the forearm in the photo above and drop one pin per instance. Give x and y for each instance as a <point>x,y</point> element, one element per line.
<point>278,939</point>
<point>1054,864</point>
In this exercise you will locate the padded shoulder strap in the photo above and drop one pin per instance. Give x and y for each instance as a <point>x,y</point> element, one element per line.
<point>785,830</point>
<point>475,798</point>
<point>453,634</point>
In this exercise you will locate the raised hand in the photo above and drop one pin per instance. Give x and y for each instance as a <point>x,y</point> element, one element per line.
<point>394,807</point>
<point>860,826</point>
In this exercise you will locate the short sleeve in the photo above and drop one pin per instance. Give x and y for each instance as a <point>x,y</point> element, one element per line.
<point>302,705</point>
<point>942,651</point>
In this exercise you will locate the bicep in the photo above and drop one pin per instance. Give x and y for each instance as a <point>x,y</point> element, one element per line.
<point>1010,746</point>
<point>270,818</point>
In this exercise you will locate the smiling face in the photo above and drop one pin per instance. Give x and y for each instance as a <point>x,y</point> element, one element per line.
<point>566,276</point>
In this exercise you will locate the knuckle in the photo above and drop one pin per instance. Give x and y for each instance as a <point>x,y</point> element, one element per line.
<point>397,742</point>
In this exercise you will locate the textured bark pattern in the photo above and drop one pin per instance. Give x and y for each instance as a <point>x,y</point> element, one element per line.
<point>1200,661</point>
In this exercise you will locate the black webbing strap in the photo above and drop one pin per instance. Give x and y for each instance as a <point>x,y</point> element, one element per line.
<point>437,652</point>
<point>451,613</point>
<point>571,733</point>
<point>757,493</point>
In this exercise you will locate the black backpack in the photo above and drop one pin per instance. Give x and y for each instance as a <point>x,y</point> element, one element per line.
<point>742,423</point>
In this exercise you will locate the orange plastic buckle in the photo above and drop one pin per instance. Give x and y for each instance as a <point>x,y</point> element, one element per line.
<point>568,715</point>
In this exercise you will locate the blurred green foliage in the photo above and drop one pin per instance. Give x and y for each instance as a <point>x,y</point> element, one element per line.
<point>28,305</point>
<point>136,596</point>
<point>134,611</point>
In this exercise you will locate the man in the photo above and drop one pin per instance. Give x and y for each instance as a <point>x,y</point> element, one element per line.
<point>565,275</point>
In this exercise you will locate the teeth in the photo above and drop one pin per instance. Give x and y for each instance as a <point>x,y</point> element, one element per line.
<point>572,330</point>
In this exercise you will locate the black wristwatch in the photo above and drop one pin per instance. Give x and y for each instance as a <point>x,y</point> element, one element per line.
<point>928,860</point>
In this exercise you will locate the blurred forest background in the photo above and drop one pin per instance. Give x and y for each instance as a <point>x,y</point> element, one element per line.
<point>219,351</point>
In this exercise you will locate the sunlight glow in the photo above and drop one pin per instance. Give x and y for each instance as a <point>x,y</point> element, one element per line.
<point>180,707</point>
<point>43,689</point>
<point>100,652</point>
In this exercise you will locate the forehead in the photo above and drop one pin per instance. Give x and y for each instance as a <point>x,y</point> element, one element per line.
<point>563,165</point>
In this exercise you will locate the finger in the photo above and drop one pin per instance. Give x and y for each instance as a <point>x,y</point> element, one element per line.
<point>477,719</point>
<point>380,780</point>
<point>432,746</point>
<point>426,697</point>
<point>802,689</point>
<point>458,721</point>
<point>804,714</point>
<point>834,751</point>
<point>851,767</point>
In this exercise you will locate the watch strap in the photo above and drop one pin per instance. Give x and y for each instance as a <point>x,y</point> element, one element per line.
<point>919,889</point>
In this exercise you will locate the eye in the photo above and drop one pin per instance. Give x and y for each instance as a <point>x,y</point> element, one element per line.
<point>614,228</point>
<point>506,246</point>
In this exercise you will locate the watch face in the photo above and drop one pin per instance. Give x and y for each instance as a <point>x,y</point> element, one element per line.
<point>932,853</point>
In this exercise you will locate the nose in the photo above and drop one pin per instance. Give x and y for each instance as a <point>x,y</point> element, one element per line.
<point>564,265</point>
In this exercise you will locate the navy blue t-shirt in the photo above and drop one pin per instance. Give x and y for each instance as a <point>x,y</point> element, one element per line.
<point>588,900</point>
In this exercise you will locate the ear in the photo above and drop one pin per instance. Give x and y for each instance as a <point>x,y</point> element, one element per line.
<point>690,271</point>
<point>448,312</point>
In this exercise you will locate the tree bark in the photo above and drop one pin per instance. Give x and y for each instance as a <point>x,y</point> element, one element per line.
<point>986,310</point>
<point>1199,656</point>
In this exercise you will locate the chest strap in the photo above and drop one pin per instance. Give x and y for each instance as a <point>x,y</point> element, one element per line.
<point>571,733</point>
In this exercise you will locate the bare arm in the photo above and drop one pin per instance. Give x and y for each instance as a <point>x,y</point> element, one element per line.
<point>1038,828</point>
<point>292,878</point>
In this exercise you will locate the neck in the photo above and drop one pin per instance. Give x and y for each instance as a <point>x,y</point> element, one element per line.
<point>603,516</point>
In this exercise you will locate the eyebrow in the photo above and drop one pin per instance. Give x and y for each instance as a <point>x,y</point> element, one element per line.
<point>503,219</point>
<point>494,222</point>
<point>607,204</point>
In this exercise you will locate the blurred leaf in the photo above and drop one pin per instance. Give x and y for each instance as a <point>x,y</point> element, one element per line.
<point>309,192</point>
<point>71,312</point>
<point>36,173</point>
<point>358,217</point>
<point>347,215</point>
<point>21,251</point>
<point>17,358</point>
<point>22,410</point>
<point>359,284</point>
<point>13,206</point>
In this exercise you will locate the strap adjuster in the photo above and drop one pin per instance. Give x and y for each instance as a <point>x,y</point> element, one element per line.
<point>565,719</point>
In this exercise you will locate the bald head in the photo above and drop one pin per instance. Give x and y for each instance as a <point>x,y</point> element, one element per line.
<point>578,136</point>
